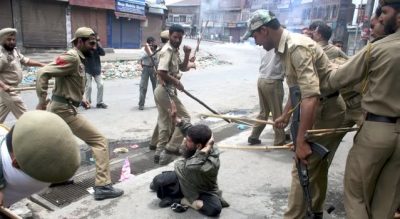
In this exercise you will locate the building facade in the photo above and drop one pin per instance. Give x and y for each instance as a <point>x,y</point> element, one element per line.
<point>225,19</point>
<point>297,14</point>
<point>187,14</point>
<point>44,24</point>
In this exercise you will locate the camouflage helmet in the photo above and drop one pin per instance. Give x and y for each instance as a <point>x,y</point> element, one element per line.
<point>257,19</point>
<point>165,34</point>
<point>44,147</point>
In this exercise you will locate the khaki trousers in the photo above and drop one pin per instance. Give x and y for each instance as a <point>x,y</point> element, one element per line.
<point>84,130</point>
<point>270,93</point>
<point>330,114</point>
<point>372,175</point>
<point>11,102</point>
<point>169,137</point>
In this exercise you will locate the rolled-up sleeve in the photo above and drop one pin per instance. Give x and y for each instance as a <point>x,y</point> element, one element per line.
<point>165,57</point>
<point>307,78</point>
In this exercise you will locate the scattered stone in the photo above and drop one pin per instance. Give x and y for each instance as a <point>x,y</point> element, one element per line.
<point>126,69</point>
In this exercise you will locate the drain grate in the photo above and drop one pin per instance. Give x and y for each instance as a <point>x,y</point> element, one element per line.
<point>61,196</point>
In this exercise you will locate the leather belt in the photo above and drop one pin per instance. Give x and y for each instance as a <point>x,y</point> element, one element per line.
<point>377,118</point>
<point>329,96</point>
<point>148,66</point>
<point>61,99</point>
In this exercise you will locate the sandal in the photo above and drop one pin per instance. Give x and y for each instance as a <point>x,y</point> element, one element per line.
<point>179,208</point>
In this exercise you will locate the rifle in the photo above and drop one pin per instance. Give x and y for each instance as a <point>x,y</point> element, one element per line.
<point>295,97</point>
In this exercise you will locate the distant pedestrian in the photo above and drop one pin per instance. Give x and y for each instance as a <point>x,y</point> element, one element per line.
<point>148,61</point>
<point>11,74</point>
<point>270,95</point>
<point>93,70</point>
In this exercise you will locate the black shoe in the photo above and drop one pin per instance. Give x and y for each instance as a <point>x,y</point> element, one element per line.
<point>152,147</point>
<point>107,191</point>
<point>253,141</point>
<point>224,203</point>
<point>141,107</point>
<point>156,159</point>
<point>152,187</point>
<point>165,202</point>
<point>101,105</point>
<point>68,182</point>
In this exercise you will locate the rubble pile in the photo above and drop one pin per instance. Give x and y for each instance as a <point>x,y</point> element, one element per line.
<point>210,60</point>
<point>126,69</point>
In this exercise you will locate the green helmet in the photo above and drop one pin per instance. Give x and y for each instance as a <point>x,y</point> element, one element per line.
<point>44,147</point>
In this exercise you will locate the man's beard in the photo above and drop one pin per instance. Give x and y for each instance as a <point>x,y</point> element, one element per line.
<point>9,48</point>
<point>175,44</point>
<point>390,27</point>
<point>187,153</point>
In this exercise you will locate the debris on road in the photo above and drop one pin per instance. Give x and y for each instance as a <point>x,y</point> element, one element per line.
<point>127,69</point>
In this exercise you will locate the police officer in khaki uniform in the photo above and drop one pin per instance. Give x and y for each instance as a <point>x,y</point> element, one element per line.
<point>68,71</point>
<point>11,74</point>
<point>164,36</point>
<point>306,66</point>
<point>372,176</point>
<point>38,150</point>
<point>169,138</point>
<point>321,33</point>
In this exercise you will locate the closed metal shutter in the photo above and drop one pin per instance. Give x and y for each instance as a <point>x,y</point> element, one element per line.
<point>5,14</point>
<point>44,23</point>
<point>93,18</point>
<point>125,33</point>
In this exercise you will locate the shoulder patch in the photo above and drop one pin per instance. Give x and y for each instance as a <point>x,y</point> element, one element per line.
<point>61,61</point>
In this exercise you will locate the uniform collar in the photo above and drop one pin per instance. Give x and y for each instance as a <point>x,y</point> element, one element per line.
<point>282,41</point>
<point>79,53</point>
<point>323,43</point>
<point>171,47</point>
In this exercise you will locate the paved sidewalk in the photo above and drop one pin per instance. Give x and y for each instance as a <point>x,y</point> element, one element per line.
<point>255,183</point>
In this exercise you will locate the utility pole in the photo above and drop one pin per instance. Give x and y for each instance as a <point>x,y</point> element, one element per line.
<point>366,21</point>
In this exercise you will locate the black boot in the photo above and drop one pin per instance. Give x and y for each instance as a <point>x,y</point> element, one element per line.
<point>107,191</point>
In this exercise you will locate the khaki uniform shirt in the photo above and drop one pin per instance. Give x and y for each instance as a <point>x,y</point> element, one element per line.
<point>10,66</point>
<point>170,61</point>
<point>380,68</point>
<point>305,63</point>
<point>333,52</point>
<point>336,55</point>
<point>69,73</point>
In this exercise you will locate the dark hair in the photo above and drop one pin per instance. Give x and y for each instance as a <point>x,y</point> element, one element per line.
<point>378,11</point>
<point>322,28</point>
<point>150,39</point>
<point>84,39</point>
<point>9,140</point>
<point>163,40</point>
<point>176,28</point>
<point>200,134</point>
